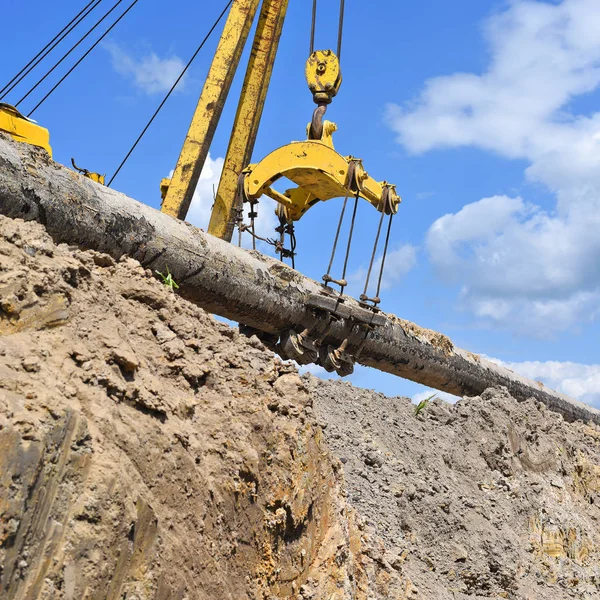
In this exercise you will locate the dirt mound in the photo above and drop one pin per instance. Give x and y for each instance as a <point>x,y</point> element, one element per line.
<point>488,498</point>
<point>149,452</point>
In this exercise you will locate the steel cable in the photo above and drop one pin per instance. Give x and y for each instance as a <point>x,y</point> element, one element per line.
<point>37,59</point>
<point>312,27</point>
<point>169,93</point>
<point>82,58</point>
<point>64,56</point>
<point>340,29</point>
<point>385,249</point>
<point>349,240</point>
<point>373,254</point>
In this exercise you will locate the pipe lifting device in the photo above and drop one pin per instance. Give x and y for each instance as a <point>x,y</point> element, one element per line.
<point>314,165</point>
<point>318,170</point>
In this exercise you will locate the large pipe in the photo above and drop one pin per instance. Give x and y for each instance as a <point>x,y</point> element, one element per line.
<point>244,286</point>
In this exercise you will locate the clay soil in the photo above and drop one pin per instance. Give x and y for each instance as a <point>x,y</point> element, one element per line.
<point>149,452</point>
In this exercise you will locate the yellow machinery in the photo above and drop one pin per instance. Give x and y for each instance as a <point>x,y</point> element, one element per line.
<point>318,170</point>
<point>22,129</point>
<point>89,174</point>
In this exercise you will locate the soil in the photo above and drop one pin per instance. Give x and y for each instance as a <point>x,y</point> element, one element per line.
<point>149,452</point>
<point>486,498</point>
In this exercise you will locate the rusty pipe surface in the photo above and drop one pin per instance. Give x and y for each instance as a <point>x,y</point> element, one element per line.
<point>241,285</point>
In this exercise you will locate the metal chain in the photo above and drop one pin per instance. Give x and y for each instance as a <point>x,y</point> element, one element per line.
<point>283,228</point>
<point>293,244</point>
<point>275,243</point>
<point>253,214</point>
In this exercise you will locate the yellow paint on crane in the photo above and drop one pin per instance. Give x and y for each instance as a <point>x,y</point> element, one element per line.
<point>210,105</point>
<point>97,177</point>
<point>323,75</point>
<point>22,129</point>
<point>247,118</point>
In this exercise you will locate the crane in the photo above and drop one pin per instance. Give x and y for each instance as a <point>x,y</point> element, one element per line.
<point>293,315</point>
<point>314,165</point>
<point>318,170</point>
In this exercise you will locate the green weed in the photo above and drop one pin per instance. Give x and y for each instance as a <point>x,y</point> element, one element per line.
<point>168,279</point>
<point>423,404</point>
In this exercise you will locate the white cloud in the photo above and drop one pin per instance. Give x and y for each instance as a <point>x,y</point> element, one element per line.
<point>518,264</point>
<point>576,380</point>
<point>149,73</point>
<point>202,201</point>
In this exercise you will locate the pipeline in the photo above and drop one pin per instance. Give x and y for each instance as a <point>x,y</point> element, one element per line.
<point>245,286</point>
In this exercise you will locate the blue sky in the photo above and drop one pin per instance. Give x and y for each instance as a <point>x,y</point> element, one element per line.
<point>483,113</point>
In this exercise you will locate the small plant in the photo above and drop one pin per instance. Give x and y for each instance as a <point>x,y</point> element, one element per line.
<point>423,404</point>
<point>168,279</point>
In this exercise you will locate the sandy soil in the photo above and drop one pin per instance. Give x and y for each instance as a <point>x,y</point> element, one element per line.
<point>148,452</point>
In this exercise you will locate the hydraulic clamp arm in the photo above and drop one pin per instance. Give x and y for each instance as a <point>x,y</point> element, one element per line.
<point>321,174</point>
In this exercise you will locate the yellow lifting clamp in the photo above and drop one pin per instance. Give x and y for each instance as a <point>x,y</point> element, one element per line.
<point>320,172</point>
<point>93,176</point>
<point>22,129</point>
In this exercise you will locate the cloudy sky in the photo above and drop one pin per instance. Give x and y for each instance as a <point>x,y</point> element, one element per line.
<point>484,113</point>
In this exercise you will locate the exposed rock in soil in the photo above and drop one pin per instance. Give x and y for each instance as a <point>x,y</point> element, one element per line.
<point>488,498</point>
<point>149,452</point>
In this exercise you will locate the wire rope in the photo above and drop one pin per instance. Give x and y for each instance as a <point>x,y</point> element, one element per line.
<point>340,30</point>
<point>340,27</point>
<point>312,26</point>
<point>37,59</point>
<point>82,58</point>
<point>169,93</point>
<point>385,249</point>
<point>66,54</point>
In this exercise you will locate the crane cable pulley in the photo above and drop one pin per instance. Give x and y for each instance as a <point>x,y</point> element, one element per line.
<point>323,73</point>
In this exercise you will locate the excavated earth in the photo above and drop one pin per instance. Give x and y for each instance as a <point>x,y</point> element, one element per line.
<point>149,452</point>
